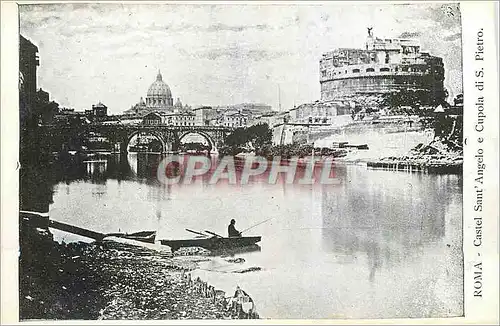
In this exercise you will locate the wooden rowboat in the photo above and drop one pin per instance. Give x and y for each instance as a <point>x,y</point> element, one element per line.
<point>143,236</point>
<point>212,243</point>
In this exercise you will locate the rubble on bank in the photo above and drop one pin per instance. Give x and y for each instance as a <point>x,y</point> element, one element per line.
<point>191,251</point>
<point>439,156</point>
<point>112,280</point>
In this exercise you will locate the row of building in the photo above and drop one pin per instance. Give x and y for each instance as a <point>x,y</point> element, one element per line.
<point>158,107</point>
<point>35,103</point>
<point>352,82</point>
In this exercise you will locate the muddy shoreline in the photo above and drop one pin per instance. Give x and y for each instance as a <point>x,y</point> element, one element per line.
<point>111,280</point>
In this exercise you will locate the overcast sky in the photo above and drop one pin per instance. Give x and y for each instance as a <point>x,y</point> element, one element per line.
<point>216,54</point>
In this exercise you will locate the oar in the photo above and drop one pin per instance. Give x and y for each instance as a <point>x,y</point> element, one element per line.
<point>212,233</point>
<point>196,232</point>
<point>256,225</point>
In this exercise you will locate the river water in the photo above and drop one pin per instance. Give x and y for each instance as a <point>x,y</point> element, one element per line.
<point>380,244</point>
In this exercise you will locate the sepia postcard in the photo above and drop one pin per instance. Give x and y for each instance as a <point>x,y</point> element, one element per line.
<point>291,162</point>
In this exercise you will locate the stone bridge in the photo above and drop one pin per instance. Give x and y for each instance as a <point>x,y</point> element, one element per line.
<point>169,136</point>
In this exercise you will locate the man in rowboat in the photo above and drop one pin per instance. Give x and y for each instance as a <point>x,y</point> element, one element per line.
<point>231,230</point>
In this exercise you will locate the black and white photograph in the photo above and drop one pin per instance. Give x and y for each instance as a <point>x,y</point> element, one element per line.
<point>221,161</point>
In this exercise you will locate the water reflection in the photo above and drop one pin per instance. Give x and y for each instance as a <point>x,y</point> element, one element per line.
<point>96,171</point>
<point>351,245</point>
<point>385,218</point>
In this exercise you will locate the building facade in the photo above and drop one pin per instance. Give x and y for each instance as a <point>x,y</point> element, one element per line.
<point>319,113</point>
<point>28,63</point>
<point>99,110</point>
<point>385,66</point>
<point>98,113</point>
<point>43,96</point>
<point>176,118</point>
<point>232,119</point>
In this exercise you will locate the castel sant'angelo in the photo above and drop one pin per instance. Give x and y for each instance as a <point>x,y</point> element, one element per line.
<point>384,67</point>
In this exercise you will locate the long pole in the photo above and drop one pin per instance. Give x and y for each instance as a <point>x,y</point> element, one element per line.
<point>196,232</point>
<point>213,233</point>
<point>257,224</point>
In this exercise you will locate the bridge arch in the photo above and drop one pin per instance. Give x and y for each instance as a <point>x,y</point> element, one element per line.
<point>164,145</point>
<point>206,136</point>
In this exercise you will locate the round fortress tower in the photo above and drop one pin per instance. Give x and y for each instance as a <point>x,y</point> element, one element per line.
<point>385,66</point>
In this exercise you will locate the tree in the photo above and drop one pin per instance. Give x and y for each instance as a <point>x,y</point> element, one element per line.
<point>238,137</point>
<point>414,99</point>
<point>259,136</point>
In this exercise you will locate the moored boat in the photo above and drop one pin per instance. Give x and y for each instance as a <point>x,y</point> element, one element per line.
<point>212,243</point>
<point>143,236</point>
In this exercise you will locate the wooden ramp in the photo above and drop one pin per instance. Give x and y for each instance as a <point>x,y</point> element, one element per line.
<point>41,220</point>
<point>76,230</point>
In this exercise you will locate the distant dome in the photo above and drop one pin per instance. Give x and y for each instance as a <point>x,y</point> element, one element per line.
<point>159,88</point>
<point>159,94</point>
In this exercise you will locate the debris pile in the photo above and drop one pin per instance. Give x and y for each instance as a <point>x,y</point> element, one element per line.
<point>238,260</point>
<point>55,282</point>
<point>191,251</point>
<point>112,280</point>
<point>151,285</point>
<point>250,269</point>
<point>439,156</point>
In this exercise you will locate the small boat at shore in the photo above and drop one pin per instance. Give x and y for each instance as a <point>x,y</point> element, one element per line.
<point>142,236</point>
<point>213,243</point>
<point>235,251</point>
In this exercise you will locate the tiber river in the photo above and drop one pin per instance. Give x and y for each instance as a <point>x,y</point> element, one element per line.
<point>380,244</point>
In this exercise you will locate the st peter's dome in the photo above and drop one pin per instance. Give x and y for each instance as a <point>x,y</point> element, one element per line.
<point>159,94</point>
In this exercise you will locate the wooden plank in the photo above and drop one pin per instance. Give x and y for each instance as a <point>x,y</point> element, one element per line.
<point>212,233</point>
<point>196,232</point>
<point>76,230</point>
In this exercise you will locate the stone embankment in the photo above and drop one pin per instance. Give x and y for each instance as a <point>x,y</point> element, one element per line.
<point>437,157</point>
<point>112,280</point>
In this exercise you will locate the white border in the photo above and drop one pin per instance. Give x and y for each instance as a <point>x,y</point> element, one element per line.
<point>476,15</point>
<point>9,158</point>
<point>485,310</point>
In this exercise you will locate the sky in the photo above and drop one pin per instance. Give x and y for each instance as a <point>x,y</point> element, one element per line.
<point>217,54</point>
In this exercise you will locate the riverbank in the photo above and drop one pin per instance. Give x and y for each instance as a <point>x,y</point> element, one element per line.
<point>439,156</point>
<point>112,280</point>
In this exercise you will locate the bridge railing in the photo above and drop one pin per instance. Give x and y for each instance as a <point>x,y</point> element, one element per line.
<point>137,126</point>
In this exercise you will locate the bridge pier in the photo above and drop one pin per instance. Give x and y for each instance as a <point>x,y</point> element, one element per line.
<point>120,135</point>
<point>123,147</point>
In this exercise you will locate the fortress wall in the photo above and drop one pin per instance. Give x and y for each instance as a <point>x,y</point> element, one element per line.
<point>382,140</point>
<point>332,89</point>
